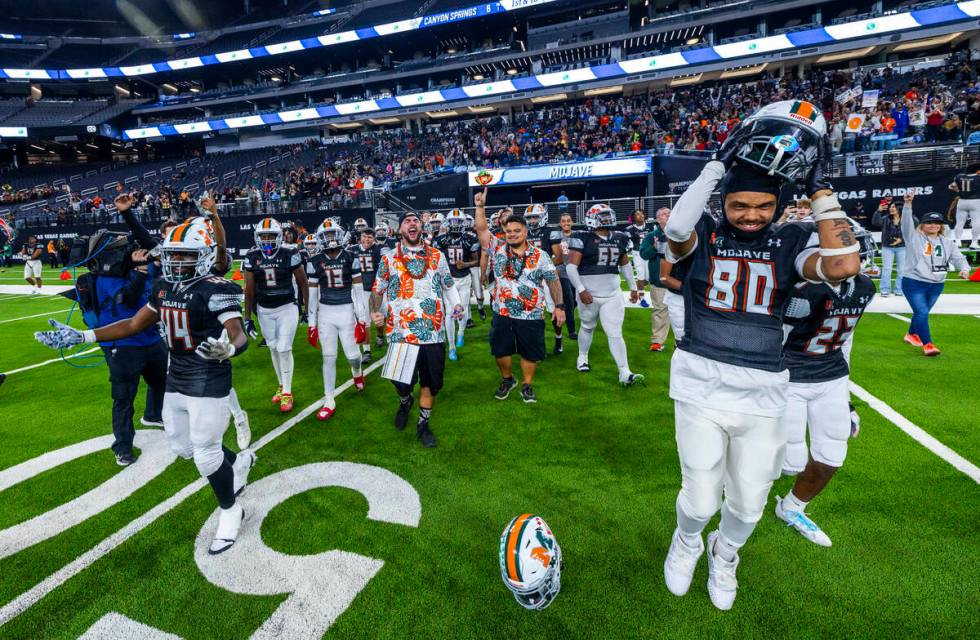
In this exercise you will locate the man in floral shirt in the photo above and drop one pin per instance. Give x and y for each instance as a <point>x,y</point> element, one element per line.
<point>419,287</point>
<point>520,273</point>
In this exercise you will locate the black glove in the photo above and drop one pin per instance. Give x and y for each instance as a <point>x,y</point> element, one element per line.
<point>815,180</point>
<point>250,330</point>
<point>732,145</point>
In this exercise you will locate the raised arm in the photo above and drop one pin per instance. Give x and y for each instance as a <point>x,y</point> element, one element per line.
<point>908,220</point>
<point>838,258</point>
<point>480,219</point>
<point>124,207</point>
<point>690,207</point>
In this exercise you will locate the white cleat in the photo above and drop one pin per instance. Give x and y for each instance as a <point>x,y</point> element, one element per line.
<point>243,432</point>
<point>680,563</point>
<point>722,585</point>
<point>229,523</point>
<point>243,464</point>
<point>583,364</point>
<point>632,379</point>
<point>802,523</point>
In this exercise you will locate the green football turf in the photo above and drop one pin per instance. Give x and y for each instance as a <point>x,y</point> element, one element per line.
<point>597,461</point>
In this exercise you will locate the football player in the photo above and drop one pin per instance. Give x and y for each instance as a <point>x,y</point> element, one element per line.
<point>270,269</point>
<point>368,252</point>
<point>201,318</point>
<point>476,282</point>
<point>967,187</point>
<point>336,310</point>
<point>433,226</point>
<point>820,319</point>
<point>727,379</point>
<point>359,225</point>
<point>462,251</point>
<point>636,231</point>
<point>33,251</point>
<point>596,259</point>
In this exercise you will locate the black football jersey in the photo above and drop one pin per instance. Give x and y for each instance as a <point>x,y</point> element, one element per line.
<point>189,315</point>
<point>369,261</point>
<point>969,185</point>
<point>599,255</point>
<point>334,276</point>
<point>735,291</point>
<point>819,320</point>
<point>391,243</point>
<point>273,276</point>
<point>544,238</point>
<point>458,247</point>
<point>637,233</point>
<point>29,250</point>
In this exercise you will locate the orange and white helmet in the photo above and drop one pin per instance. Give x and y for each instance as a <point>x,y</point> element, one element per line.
<point>331,235</point>
<point>455,221</point>
<point>535,215</point>
<point>360,225</point>
<point>530,561</point>
<point>188,252</point>
<point>310,243</point>
<point>434,224</point>
<point>268,236</point>
<point>600,216</point>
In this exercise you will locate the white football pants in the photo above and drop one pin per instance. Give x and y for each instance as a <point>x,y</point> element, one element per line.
<point>968,209</point>
<point>195,427</point>
<point>335,322</point>
<point>610,311</point>
<point>823,406</point>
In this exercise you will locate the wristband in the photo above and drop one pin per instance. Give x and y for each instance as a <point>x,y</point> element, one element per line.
<point>829,215</point>
<point>560,305</point>
<point>842,251</point>
<point>234,350</point>
<point>825,204</point>
<point>88,335</point>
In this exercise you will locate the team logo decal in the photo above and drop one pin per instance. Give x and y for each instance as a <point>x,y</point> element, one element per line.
<point>803,111</point>
<point>484,178</point>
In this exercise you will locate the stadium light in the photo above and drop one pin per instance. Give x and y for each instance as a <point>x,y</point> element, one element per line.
<point>478,77</point>
<point>604,90</point>
<point>345,125</point>
<point>683,81</point>
<point>747,71</point>
<point>845,55</point>
<point>384,120</point>
<point>482,109</point>
<point>927,43</point>
<point>554,97</point>
<point>512,72</point>
<point>442,114</point>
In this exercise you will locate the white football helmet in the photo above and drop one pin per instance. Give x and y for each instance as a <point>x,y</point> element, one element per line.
<point>470,221</point>
<point>331,235</point>
<point>188,252</point>
<point>455,221</point>
<point>536,215</point>
<point>381,232</point>
<point>310,244</point>
<point>268,236</point>
<point>530,561</point>
<point>360,225</point>
<point>783,138</point>
<point>600,216</point>
<point>434,225</point>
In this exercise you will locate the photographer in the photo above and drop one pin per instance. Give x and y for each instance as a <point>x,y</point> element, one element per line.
<point>122,277</point>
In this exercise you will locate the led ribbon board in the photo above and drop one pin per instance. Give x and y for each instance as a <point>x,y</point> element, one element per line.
<point>327,40</point>
<point>800,39</point>
<point>561,172</point>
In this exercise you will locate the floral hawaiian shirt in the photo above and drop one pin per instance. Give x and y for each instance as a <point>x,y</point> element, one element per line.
<point>416,284</point>
<point>519,282</point>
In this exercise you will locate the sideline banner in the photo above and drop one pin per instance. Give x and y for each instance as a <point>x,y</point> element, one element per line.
<point>560,172</point>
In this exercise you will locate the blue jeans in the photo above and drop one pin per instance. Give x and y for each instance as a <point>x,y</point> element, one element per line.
<point>888,257</point>
<point>922,297</point>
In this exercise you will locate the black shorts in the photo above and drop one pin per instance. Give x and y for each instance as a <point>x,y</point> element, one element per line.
<point>509,336</point>
<point>429,368</point>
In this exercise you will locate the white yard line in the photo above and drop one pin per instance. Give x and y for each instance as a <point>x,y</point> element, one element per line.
<point>51,361</point>
<point>29,598</point>
<point>898,317</point>
<point>36,315</point>
<point>917,434</point>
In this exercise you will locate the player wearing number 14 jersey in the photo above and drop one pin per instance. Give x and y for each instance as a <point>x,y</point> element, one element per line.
<point>270,269</point>
<point>820,320</point>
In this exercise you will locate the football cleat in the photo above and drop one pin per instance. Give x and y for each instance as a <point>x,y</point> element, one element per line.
<point>229,523</point>
<point>243,464</point>
<point>583,365</point>
<point>379,341</point>
<point>469,323</point>
<point>277,397</point>
<point>722,584</point>
<point>530,561</point>
<point>656,346</point>
<point>913,339</point>
<point>482,312</point>
<point>243,433</point>
<point>632,379</point>
<point>286,403</point>
<point>325,413</point>
<point>359,383</point>
<point>452,354</point>
<point>930,349</point>
<point>151,423</point>
<point>460,341</point>
<point>559,348</point>
<point>855,421</point>
<point>680,563</point>
<point>802,523</point>
<point>644,303</point>
<point>366,358</point>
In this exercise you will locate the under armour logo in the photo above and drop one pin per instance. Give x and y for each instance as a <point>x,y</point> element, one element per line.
<point>775,242</point>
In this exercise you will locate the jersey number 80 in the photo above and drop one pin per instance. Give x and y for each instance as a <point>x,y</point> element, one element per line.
<point>740,284</point>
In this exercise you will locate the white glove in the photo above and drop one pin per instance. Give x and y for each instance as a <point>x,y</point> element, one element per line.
<point>62,337</point>
<point>215,349</point>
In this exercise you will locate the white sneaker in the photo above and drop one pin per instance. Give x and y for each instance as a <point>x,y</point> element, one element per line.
<point>243,464</point>
<point>151,423</point>
<point>582,364</point>
<point>885,294</point>
<point>803,524</point>
<point>229,522</point>
<point>35,291</point>
<point>243,433</point>
<point>722,585</point>
<point>680,563</point>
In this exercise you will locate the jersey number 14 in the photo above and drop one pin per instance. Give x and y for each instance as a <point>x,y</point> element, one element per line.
<point>176,327</point>
<point>739,284</point>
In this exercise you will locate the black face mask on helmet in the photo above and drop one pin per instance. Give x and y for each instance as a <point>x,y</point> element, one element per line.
<point>745,178</point>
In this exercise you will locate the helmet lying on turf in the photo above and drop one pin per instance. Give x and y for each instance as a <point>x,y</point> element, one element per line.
<point>530,561</point>
<point>783,138</point>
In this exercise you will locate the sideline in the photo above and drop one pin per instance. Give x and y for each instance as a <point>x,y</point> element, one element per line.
<point>29,598</point>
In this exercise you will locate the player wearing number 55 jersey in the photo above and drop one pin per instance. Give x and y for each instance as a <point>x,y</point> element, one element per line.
<point>270,269</point>
<point>727,378</point>
<point>596,259</point>
<point>201,318</point>
<point>820,320</point>
<point>334,275</point>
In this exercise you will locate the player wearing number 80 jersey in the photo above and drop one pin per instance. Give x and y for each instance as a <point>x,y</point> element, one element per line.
<point>820,321</point>
<point>462,251</point>
<point>270,269</point>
